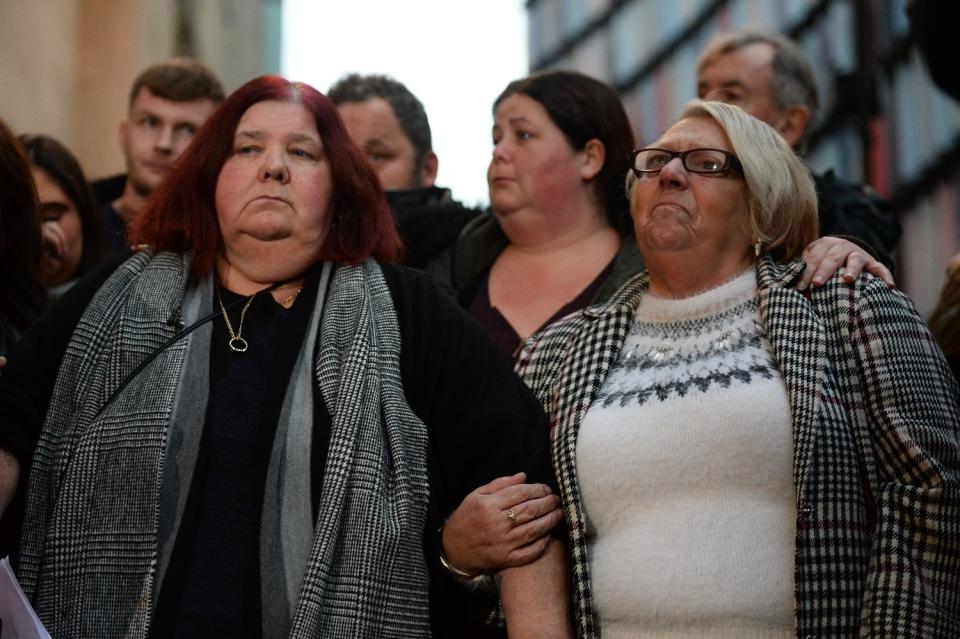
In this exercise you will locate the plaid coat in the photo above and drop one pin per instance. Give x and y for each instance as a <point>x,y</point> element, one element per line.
<point>875,437</point>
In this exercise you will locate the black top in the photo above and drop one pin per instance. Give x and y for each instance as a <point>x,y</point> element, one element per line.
<point>106,191</point>
<point>481,420</point>
<point>856,213</point>
<point>212,585</point>
<point>429,222</point>
<point>114,230</point>
<point>502,332</point>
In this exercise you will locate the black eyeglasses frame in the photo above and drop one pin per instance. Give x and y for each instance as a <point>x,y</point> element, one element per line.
<point>732,161</point>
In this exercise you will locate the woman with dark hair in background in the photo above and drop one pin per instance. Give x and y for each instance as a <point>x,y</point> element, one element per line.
<point>253,428</point>
<point>71,222</point>
<point>21,293</point>
<point>561,150</point>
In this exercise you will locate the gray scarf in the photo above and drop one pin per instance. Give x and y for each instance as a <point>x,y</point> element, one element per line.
<point>107,488</point>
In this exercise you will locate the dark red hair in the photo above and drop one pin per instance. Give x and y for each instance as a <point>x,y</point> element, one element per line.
<point>181,215</point>
<point>22,296</point>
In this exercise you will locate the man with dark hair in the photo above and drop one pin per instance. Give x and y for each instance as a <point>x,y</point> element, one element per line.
<point>169,101</point>
<point>390,125</point>
<point>769,76</point>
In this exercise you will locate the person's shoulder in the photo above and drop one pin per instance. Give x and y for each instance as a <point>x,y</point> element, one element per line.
<point>482,226</point>
<point>80,294</point>
<point>429,222</point>
<point>867,298</point>
<point>413,291</point>
<point>830,180</point>
<point>837,191</point>
<point>404,278</point>
<point>109,188</point>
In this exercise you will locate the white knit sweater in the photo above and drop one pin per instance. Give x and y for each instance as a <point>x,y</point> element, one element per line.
<point>685,464</point>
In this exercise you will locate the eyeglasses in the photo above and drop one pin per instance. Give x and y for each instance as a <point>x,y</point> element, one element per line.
<point>702,161</point>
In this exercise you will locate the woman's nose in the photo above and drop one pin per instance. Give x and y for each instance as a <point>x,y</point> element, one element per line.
<point>673,174</point>
<point>274,167</point>
<point>501,150</point>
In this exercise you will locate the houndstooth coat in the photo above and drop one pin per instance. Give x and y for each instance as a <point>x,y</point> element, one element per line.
<point>875,438</point>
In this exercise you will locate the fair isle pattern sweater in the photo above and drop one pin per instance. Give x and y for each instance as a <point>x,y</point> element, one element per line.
<point>685,460</point>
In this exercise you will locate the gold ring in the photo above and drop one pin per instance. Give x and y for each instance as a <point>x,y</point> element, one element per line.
<point>512,516</point>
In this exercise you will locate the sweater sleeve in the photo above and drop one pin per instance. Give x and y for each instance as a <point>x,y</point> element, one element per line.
<point>913,439</point>
<point>28,379</point>
<point>483,422</point>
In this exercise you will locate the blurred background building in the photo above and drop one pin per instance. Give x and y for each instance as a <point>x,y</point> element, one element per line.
<point>883,122</point>
<point>66,66</point>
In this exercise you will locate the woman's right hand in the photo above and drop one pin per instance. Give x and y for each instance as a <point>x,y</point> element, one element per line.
<point>480,536</point>
<point>54,248</point>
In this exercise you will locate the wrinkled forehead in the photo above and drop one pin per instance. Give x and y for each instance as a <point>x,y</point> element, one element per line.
<point>277,118</point>
<point>694,132</point>
<point>736,60</point>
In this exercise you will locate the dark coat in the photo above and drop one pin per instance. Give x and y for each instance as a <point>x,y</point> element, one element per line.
<point>857,214</point>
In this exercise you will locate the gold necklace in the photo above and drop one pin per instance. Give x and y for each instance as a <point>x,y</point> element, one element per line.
<point>287,303</point>
<point>241,344</point>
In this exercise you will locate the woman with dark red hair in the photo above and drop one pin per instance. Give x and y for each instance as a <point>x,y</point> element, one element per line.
<point>253,428</point>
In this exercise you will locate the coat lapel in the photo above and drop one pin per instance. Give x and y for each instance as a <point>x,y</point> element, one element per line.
<point>603,330</point>
<point>799,345</point>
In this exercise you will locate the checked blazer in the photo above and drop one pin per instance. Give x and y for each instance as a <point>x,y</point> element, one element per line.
<point>876,454</point>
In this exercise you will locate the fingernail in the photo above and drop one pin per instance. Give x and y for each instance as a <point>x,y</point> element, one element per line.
<point>842,271</point>
<point>818,279</point>
<point>802,286</point>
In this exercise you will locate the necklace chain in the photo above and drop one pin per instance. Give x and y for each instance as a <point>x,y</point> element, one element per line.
<point>237,344</point>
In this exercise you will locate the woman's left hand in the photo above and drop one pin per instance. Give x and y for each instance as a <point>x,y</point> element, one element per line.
<point>827,254</point>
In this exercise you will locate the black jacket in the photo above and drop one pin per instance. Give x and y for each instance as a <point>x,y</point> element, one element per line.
<point>856,213</point>
<point>429,221</point>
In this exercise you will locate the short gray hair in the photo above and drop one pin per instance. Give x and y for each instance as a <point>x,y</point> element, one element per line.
<point>792,81</point>
<point>781,198</point>
<point>406,106</point>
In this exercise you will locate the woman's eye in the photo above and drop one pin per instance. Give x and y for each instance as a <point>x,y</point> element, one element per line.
<point>301,153</point>
<point>247,149</point>
<point>657,161</point>
<point>524,135</point>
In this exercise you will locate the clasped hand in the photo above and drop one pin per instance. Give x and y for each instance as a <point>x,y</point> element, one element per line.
<point>479,536</point>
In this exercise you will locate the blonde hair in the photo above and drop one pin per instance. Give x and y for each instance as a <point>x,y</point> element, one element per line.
<point>781,198</point>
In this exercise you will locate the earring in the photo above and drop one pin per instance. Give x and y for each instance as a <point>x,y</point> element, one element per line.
<point>757,248</point>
